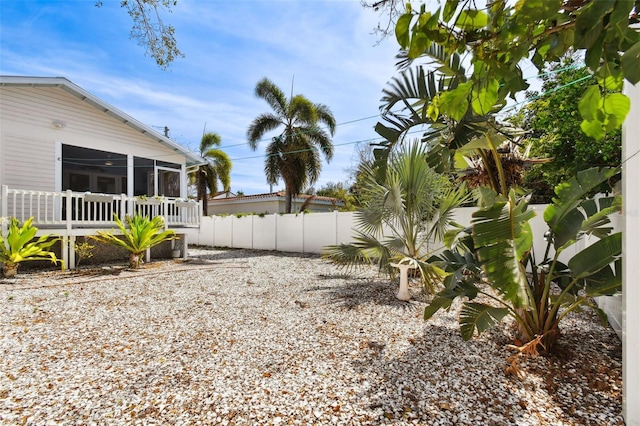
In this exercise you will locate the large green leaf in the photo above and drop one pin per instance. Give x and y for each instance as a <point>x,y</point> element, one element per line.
<point>537,9</point>
<point>605,282</point>
<point>589,23</point>
<point>593,128</point>
<point>449,9</point>
<point>596,221</point>
<point>596,256</point>
<point>610,77</point>
<point>419,43</point>
<point>455,103</point>
<point>436,304</point>
<point>478,316</point>
<point>484,98</point>
<point>502,236</point>
<point>562,216</point>
<point>470,19</point>
<point>402,29</point>
<point>615,106</point>
<point>589,103</point>
<point>630,63</point>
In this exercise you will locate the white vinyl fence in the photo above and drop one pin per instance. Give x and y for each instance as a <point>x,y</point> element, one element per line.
<point>309,233</point>
<point>301,233</point>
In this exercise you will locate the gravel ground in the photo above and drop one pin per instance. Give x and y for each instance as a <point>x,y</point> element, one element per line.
<point>246,337</point>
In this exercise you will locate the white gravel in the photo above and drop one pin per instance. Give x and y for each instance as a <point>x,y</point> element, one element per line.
<point>246,337</point>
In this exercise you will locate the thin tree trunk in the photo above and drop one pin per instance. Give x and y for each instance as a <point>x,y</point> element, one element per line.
<point>10,270</point>
<point>134,260</point>
<point>288,200</point>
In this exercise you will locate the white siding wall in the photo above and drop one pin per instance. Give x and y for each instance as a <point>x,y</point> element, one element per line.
<point>28,137</point>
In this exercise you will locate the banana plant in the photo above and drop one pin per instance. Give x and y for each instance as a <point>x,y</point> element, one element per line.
<point>140,234</point>
<point>20,246</point>
<point>498,262</point>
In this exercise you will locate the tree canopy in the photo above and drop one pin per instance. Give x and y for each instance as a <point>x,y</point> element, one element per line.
<point>500,37</point>
<point>150,31</point>
<point>551,118</point>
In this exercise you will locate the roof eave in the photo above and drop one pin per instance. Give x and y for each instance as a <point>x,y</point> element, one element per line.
<point>80,93</point>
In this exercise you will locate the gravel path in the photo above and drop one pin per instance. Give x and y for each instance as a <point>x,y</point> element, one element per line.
<point>246,337</point>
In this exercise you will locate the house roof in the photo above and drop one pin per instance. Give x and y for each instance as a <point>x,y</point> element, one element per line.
<point>77,91</point>
<point>275,195</point>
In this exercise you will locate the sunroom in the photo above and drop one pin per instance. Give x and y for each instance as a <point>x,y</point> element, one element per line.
<point>72,161</point>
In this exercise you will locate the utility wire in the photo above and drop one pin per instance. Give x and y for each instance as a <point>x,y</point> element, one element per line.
<point>419,131</point>
<point>510,108</point>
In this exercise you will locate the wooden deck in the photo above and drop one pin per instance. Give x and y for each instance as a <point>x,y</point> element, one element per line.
<point>71,214</point>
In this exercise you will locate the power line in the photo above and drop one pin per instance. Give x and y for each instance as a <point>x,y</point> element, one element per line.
<point>339,124</point>
<point>379,115</point>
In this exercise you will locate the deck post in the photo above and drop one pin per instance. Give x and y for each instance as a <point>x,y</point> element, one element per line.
<point>66,247</point>
<point>122,206</point>
<point>72,252</point>
<point>184,246</point>
<point>4,209</point>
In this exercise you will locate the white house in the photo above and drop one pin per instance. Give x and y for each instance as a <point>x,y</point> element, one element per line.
<point>71,160</point>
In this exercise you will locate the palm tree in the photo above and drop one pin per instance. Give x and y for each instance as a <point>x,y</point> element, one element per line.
<point>408,209</point>
<point>294,155</point>
<point>217,168</point>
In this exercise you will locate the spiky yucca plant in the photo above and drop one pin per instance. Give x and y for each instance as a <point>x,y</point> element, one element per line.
<point>142,234</point>
<point>19,246</point>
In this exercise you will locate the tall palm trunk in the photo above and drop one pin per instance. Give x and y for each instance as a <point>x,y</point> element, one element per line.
<point>288,200</point>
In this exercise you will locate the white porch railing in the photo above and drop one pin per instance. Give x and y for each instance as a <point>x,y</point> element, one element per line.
<point>69,210</point>
<point>70,214</point>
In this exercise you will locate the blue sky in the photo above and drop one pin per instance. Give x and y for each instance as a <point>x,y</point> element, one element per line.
<point>325,47</point>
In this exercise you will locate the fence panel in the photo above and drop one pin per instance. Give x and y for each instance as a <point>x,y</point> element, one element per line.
<point>264,232</point>
<point>344,227</point>
<point>242,235</point>
<point>319,231</point>
<point>309,233</point>
<point>290,232</point>
<point>223,231</point>
<point>205,237</point>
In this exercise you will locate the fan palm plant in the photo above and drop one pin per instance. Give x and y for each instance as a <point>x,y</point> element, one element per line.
<point>294,155</point>
<point>406,211</point>
<point>20,246</point>
<point>216,169</point>
<point>142,234</point>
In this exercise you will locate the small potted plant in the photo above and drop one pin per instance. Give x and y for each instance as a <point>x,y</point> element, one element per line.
<point>19,246</point>
<point>146,201</point>
<point>181,202</point>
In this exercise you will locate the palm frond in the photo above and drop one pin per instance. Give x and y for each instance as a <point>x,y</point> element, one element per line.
<point>261,125</point>
<point>267,90</point>
<point>208,141</point>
